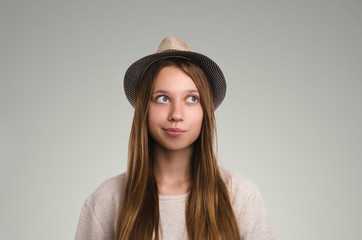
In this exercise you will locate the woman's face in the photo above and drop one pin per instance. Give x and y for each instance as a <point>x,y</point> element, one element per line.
<point>175,113</point>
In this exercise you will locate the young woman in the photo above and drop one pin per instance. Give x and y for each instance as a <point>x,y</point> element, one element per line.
<point>173,187</point>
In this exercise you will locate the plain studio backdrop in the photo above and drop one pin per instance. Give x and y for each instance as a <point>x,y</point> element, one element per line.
<point>291,119</point>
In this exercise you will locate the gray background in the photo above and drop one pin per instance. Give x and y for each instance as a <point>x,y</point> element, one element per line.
<point>291,120</point>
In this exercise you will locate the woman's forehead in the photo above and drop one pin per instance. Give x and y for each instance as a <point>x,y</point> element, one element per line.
<point>171,79</point>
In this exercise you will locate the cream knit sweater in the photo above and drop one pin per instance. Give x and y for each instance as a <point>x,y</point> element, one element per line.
<point>99,213</point>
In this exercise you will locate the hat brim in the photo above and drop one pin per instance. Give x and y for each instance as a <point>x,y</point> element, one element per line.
<point>212,71</point>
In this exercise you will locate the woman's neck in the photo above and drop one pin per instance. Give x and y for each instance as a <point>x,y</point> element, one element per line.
<point>172,170</point>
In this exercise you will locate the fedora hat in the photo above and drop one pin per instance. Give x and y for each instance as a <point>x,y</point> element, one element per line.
<point>175,47</point>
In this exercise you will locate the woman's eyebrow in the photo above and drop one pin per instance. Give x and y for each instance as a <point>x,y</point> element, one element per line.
<point>192,91</point>
<point>159,91</point>
<point>167,92</point>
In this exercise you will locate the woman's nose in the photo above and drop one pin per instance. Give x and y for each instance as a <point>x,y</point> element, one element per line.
<point>176,111</point>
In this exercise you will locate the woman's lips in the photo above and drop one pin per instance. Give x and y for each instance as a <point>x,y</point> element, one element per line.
<point>174,132</point>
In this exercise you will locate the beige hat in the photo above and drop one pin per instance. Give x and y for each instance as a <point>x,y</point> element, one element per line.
<point>175,47</point>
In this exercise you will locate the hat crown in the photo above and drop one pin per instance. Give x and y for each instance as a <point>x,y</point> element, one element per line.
<point>173,43</point>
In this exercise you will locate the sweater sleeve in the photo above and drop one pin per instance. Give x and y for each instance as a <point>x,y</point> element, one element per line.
<point>253,218</point>
<point>89,227</point>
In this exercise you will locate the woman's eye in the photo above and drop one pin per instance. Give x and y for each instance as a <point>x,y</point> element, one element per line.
<point>162,99</point>
<point>192,99</point>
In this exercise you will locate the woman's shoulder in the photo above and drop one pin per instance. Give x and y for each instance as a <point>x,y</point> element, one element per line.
<point>109,190</point>
<point>99,213</point>
<point>248,205</point>
<point>240,187</point>
<point>237,182</point>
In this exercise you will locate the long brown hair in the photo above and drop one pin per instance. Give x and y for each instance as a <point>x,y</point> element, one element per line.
<point>209,214</point>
